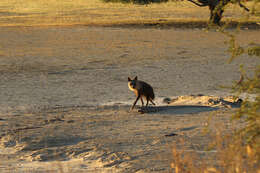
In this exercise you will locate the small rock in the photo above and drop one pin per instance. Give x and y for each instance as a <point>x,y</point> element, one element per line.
<point>167,100</point>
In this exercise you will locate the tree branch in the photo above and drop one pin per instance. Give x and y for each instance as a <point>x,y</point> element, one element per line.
<point>242,6</point>
<point>196,3</point>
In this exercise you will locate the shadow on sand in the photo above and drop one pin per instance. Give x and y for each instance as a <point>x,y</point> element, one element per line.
<point>180,109</point>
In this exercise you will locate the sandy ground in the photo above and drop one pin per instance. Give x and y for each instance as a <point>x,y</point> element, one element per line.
<point>64,100</point>
<point>109,138</point>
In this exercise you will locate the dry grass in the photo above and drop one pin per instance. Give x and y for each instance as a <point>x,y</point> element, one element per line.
<point>224,154</point>
<point>95,12</point>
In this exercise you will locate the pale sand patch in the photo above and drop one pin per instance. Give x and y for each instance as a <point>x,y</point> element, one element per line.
<point>202,100</point>
<point>72,165</point>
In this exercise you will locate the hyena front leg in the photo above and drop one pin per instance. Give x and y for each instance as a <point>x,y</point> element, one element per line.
<point>135,102</point>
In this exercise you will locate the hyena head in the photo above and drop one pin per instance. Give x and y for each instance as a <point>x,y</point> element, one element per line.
<point>132,83</point>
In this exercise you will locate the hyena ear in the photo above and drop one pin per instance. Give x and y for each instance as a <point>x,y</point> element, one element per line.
<point>129,79</point>
<point>135,78</point>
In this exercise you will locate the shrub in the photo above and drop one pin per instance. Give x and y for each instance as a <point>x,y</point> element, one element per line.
<point>249,112</point>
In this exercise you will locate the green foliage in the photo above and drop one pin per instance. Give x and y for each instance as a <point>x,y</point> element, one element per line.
<point>250,108</point>
<point>137,1</point>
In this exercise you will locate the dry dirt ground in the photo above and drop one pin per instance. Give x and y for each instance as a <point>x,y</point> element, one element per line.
<point>64,100</point>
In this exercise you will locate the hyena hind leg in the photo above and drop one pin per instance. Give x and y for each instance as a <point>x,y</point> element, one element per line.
<point>152,101</point>
<point>142,101</point>
<point>149,99</point>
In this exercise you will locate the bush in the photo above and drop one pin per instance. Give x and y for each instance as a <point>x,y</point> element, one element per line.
<point>249,112</point>
<point>137,1</point>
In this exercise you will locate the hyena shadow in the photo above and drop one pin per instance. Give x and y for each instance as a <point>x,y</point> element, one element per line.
<point>180,109</point>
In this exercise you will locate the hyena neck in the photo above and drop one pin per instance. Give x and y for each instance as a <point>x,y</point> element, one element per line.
<point>130,87</point>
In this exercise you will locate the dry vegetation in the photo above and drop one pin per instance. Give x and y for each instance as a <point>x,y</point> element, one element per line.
<point>96,12</point>
<point>226,153</point>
